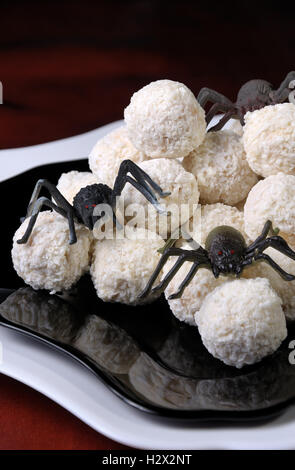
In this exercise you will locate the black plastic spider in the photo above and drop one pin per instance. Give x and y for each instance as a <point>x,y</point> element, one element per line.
<point>253,95</point>
<point>226,253</point>
<point>88,198</point>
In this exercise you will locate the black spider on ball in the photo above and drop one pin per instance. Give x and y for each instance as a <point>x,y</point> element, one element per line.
<point>85,201</point>
<point>254,94</point>
<point>226,253</point>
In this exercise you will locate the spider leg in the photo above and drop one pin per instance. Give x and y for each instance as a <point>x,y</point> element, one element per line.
<point>54,192</point>
<point>195,267</point>
<point>265,231</point>
<point>286,276</point>
<point>165,281</point>
<point>278,243</point>
<point>141,181</point>
<point>194,256</point>
<point>282,93</point>
<point>222,121</point>
<point>161,263</point>
<point>216,109</point>
<point>208,95</point>
<point>36,208</point>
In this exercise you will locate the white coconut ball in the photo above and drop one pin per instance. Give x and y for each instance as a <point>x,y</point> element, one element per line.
<point>204,282</point>
<point>121,268</point>
<point>214,215</point>
<point>164,119</point>
<point>69,184</point>
<point>269,139</point>
<point>235,126</point>
<point>272,199</point>
<point>47,260</point>
<point>242,321</point>
<point>109,152</point>
<point>221,167</point>
<point>181,203</point>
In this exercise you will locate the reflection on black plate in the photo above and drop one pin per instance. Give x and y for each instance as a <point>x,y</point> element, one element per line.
<point>147,357</point>
<point>143,354</point>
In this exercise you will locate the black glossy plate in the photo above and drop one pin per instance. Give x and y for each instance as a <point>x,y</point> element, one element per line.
<point>143,354</point>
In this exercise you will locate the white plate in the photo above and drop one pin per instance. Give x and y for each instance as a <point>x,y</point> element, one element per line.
<point>76,389</point>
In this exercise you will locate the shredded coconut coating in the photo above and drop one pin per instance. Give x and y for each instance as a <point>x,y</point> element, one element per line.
<point>271,199</point>
<point>269,139</point>
<point>214,215</point>
<point>109,152</point>
<point>240,205</point>
<point>242,321</point>
<point>47,260</point>
<point>121,268</point>
<point>69,184</point>
<point>164,119</point>
<point>107,344</point>
<point>221,167</point>
<point>183,200</point>
<point>204,282</point>
<point>235,126</point>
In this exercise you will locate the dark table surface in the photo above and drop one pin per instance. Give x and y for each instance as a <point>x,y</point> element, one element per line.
<point>68,67</point>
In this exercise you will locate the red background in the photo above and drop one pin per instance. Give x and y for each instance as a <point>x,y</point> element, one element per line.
<point>68,67</point>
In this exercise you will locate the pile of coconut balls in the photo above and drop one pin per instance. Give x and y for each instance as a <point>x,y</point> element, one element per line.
<point>239,176</point>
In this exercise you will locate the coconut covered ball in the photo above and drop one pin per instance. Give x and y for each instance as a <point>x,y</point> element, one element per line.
<point>221,168</point>
<point>235,126</point>
<point>69,184</point>
<point>121,268</point>
<point>269,139</point>
<point>47,260</point>
<point>214,215</point>
<point>164,119</point>
<point>109,152</point>
<point>204,282</point>
<point>242,321</point>
<point>272,199</point>
<point>181,203</point>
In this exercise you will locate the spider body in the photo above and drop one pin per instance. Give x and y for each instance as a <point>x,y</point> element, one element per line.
<point>225,253</point>
<point>85,201</point>
<point>226,247</point>
<point>254,94</point>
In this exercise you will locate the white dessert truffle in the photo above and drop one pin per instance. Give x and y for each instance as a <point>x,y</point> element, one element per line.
<point>242,321</point>
<point>193,296</point>
<point>221,167</point>
<point>272,199</point>
<point>214,215</point>
<point>69,184</point>
<point>182,202</point>
<point>269,139</point>
<point>164,119</point>
<point>47,260</point>
<point>109,152</point>
<point>204,282</point>
<point>235,126</point>
<point>121,268</point>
